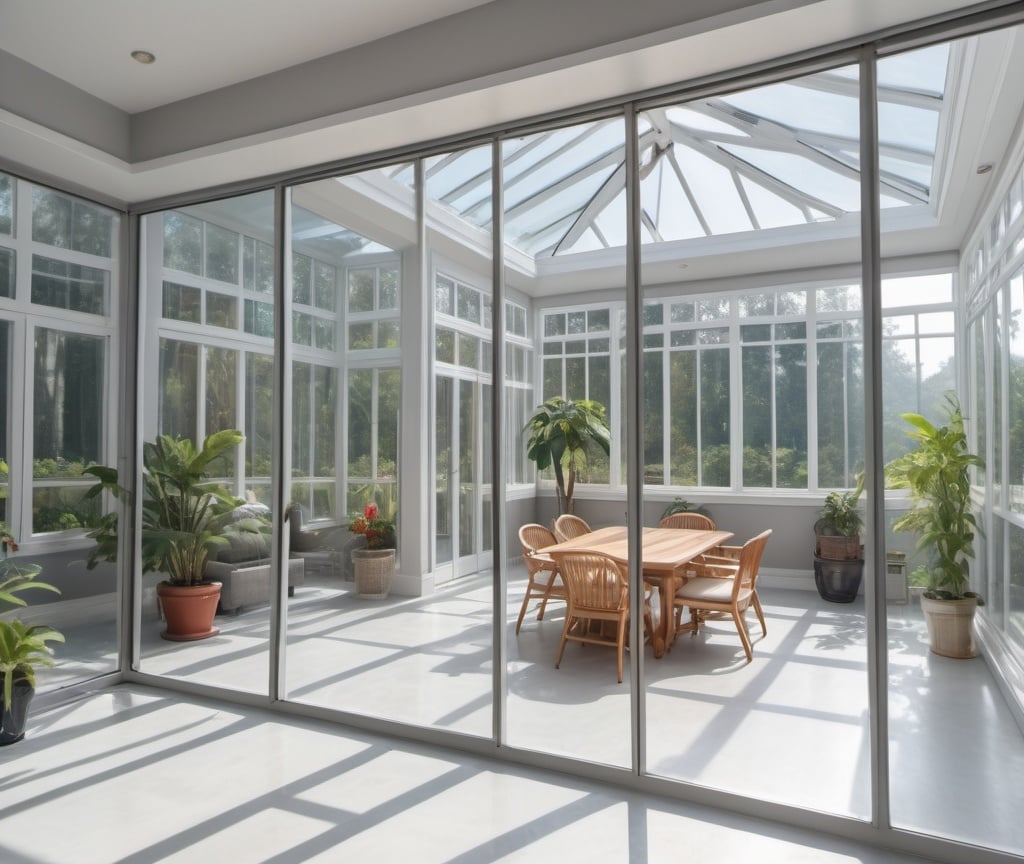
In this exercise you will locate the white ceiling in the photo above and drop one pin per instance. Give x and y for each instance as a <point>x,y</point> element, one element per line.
<point>204,45</point>
<point>199,45</point>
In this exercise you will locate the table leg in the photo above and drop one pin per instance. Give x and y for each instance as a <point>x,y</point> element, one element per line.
<point>668,617</point>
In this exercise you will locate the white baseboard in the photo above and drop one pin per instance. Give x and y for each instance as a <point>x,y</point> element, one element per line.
<point>64,613</point>
<point>790,580</point>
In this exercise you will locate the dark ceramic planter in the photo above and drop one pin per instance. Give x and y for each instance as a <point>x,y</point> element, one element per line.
<point>838,581</point>
<point>12,726</point>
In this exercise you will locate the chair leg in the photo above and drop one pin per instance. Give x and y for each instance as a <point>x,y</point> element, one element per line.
<point>565,634</point>
<point>741,627</point>
<point>522,609</point>
<point>621,643</point>
<point>760,613</point>
<point>547,596</point>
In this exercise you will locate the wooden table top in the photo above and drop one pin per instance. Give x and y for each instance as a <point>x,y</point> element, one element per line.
<point>664,549</point>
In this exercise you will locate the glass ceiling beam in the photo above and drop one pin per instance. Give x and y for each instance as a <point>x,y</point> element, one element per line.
<point>688,192</point>
<point>608,158</point>
<point>830,82</point>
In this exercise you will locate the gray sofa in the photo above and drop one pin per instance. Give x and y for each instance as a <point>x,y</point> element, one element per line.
<point>327,551</point>
<point>242,566</point>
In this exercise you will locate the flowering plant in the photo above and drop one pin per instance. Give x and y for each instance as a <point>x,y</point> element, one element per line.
<point>379,531</point>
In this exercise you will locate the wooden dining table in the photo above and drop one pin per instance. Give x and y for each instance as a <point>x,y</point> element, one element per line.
<point>665,552</point>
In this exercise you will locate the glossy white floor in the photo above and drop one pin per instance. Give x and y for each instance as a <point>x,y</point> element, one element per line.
<point>789,727</point>
<point>141,775</point>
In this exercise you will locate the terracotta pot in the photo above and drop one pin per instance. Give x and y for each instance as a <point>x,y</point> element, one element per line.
<point>950,626</point>
<point>374,569</point>
<point>12,723</point>
<point>189,610</point>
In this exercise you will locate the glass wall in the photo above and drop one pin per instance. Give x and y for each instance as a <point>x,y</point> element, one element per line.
<point>564,192</point>
<point>753,383</point>
<point>752,340</point>
<point>938,704</point>
<point>207,303</point>
<point>58,395</point>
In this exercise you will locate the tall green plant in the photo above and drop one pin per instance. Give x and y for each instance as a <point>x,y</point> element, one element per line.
<point>184,516</point>
<point>937,473</point>
<point>562,433</point>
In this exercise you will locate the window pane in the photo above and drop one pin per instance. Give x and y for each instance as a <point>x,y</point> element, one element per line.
<point>183,243</point>
<point>221,385</point>
<point>68,422</point>
<point>69,286</point>
<point>791,416</point>
<point>179,376</point>
<point>221,254</point>
<point>757,417</point>
<point>70,224</point>
<point>259,318</point>
<point>302,279</point>
<point>6,204</point>
<point>714,421</point>
<point>388,288</point>
<point>7,272</point>
<point>360,290</point>
<point>221,310</point>
<point>259,414</point>
<point>683,408</point>
<point>302,328</point>
<point>182,302</point>
<point>326,293</point>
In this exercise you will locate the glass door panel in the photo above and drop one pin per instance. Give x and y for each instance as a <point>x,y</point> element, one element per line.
<point>728,380</point>
<point>938,703</point>
<point>564,344</point>
<point>443,436</point>
<point>209,274</point>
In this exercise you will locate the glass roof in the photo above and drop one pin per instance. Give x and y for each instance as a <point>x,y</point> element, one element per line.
<point>782,154</point>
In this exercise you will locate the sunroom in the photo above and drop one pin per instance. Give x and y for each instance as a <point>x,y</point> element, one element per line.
<point>752,292</point>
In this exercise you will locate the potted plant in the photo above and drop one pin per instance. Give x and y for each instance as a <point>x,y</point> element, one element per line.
<point>937,473</point>
<point>562,434</point>
<point>838,562</point>
<point>374,566</point>
<point>23,647</point>
<point>184,517</point>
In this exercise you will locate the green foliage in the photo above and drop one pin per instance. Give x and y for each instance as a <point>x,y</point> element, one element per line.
<point>681,505</point>
<point>562,434</point>
<point>184,516</point>
<point>937,473</point>
<point>22,648</point>
<point>840,516</point>
<point>16,577</point>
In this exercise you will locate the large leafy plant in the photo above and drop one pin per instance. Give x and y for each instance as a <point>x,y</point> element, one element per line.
<point>937,473</point>
<point>184,515</point>
<point>562,434</point>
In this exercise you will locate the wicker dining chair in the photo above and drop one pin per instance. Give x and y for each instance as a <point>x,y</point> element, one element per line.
<point>693,521</point>
<point>545,580</point>
<point>568,526</point>
<point>733,594</point>
<point>598,590</point>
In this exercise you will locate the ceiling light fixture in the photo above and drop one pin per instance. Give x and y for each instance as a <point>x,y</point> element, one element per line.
<point>984,168</point>
<point>145,57</point>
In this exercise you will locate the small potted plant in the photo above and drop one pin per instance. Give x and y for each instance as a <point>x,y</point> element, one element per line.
<point>374,566</point>
<point>838,562</point>
<point>23,647</point>
<point>937,473</point>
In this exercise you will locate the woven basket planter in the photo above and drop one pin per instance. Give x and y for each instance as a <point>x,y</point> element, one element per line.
<point>374,569</point>
<point>839,548</point>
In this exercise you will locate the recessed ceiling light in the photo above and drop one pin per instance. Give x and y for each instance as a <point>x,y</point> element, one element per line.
<point>984,168</point>
<point>146,57</point>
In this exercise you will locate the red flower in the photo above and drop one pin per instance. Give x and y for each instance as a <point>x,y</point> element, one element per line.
<point>370,512</point>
